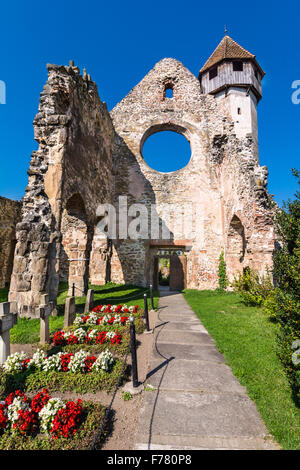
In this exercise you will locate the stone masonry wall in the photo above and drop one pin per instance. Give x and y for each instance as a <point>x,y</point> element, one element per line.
<point>75,135</point>
<point>220,181</point>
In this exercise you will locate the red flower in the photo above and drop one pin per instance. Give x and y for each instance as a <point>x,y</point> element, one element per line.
<point>27,422</point>
<point>87,339</point>
<point>3,417</point>
<point>72,339</point>
<point>58,338</point>
<point>97,309</point>
<point>65,359</point>
<point>25,364</point>
<point>67,420</point>
<point>13,395</point>
<point>40,400</point>
<point>88,362</point>
<point>101,337</point>
<point>116,339</point>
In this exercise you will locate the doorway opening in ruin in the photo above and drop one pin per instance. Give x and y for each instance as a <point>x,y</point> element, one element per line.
<point>169,271</point>
<point>74,249</point>
<point>164,272</point>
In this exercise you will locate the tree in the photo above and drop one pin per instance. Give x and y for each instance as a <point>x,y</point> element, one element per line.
<point>222,272</point>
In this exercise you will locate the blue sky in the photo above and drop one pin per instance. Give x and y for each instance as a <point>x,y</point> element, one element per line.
<point>119,42</point>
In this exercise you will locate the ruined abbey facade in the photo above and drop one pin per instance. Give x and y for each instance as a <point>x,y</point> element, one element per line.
<point>89,156</point>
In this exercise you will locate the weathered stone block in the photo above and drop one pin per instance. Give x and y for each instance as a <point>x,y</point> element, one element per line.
<point>89,304</point>
<point>70,312</point>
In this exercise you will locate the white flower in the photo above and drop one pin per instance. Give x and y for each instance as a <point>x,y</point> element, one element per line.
<point>52,362</point>
<point>104,362</point>
<point>106,318</point>
<point>110,334</point>
<point>117,319</point>
<point>48,413</point>
<point>92,334</point>
<point>81,334</point>
<point>92,320</point>
<point>76,363</point>
<point>78,320</point>
<point>12,409</point>
<point>38,359</point>
<point>14,362</point>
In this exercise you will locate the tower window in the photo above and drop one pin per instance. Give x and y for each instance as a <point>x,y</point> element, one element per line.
<point>213,73</point>
<point>168,92</point>
<point>239,111</point>
<point>237,66</point>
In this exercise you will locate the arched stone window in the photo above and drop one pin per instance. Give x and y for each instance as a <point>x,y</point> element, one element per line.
<point>168,92</point>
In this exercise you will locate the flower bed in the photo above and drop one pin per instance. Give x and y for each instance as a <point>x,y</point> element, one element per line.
<point>116,315</point>
<point>115,309</point>
<point>81,336</point>
<point>42,414</point>
<point>46,422</point>
<point>60,362</point>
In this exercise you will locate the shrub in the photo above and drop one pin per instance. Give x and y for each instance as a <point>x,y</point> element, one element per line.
<point>284,304</point>
<point>253,288</point>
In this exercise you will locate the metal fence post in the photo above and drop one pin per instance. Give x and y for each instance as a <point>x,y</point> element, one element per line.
<point>73,289</point>
<point>135,381</point>
<point>146,313</point>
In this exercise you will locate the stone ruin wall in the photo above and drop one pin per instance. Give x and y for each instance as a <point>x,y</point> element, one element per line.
<point>10,212</point>
<point>87,156</point>
<point>75,136</point>
<point>223,179</point>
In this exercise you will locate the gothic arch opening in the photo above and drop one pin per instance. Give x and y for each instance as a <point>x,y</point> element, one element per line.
<point>236,246</point>
<point>73,256</point>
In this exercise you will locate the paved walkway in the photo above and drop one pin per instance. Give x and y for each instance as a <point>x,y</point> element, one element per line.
<point>197,402</point>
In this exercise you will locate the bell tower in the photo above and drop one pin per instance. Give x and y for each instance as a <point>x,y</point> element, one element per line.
<point>233,73</point>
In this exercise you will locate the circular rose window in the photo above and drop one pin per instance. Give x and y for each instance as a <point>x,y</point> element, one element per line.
<point>166,151</point>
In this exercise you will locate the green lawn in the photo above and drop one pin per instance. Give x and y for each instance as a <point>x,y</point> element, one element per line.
<point>4,294</point>
<point>28,330</point>
<point>247,339</point>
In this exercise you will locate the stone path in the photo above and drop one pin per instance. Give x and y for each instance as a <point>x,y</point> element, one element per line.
<point>197,402</point>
